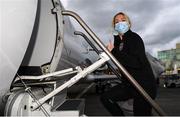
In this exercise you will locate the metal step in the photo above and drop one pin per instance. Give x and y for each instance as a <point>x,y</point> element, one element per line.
<point>72,107</point>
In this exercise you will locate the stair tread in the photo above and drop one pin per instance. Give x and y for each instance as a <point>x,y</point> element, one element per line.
<point>70,105</point>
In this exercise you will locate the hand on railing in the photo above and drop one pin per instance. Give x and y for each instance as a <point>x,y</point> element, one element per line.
<point>110,45</point>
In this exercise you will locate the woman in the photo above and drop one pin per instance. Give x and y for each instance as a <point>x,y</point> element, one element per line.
<point>129,50</point>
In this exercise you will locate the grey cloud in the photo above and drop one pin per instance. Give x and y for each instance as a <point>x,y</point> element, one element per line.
<point>99,13</point>
<point>164,36</point>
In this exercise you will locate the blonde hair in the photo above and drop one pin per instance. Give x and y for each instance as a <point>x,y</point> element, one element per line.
<point>126,17</point>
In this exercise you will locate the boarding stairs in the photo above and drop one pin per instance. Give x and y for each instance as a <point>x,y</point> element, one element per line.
<point>29,105</point>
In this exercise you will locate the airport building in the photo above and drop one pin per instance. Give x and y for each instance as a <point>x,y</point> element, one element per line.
<point>171,59</point>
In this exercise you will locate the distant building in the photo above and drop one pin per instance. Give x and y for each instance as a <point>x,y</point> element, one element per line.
<point>178,45</point>
<point>171,59</point>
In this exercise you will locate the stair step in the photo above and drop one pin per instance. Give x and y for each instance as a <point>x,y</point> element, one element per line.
<point>72,107</point>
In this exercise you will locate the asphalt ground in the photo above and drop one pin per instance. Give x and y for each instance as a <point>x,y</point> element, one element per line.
<point>168,99</point>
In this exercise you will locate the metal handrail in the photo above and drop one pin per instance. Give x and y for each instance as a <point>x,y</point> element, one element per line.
<point>114,60</point>
<point>97,51</point>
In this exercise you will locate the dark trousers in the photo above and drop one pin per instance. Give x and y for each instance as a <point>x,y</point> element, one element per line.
<point>123,93</point>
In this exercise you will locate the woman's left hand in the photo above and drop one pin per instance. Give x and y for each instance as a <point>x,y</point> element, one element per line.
<point>110,46</point>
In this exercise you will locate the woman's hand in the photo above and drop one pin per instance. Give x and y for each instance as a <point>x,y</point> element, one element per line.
<point>110,46</point>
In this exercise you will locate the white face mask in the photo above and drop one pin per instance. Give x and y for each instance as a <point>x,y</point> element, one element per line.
<point>121,27</point>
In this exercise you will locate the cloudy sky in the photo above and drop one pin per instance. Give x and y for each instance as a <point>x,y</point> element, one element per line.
<point>156,21</point>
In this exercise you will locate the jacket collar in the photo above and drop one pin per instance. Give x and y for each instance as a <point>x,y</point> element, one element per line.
<point>124,36</point>
<point>128,32</point>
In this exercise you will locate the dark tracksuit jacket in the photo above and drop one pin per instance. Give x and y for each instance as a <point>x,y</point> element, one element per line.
<point>130,52</point>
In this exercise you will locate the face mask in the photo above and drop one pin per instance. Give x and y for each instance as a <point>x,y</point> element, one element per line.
<point>121,27</point>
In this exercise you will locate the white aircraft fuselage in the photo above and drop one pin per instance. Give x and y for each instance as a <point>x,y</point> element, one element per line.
<point>17,22</point>
<point>29,37</point>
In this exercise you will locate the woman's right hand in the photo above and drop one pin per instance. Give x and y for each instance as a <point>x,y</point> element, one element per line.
<point>110,46</point>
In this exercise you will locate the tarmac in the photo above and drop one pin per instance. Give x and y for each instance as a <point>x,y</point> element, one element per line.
<point>167,98</point>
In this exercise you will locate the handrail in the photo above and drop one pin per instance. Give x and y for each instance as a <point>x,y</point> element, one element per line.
<point>114,60</point>
<point>97,51</point>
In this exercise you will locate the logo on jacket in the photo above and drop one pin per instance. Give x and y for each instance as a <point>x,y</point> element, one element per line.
<point>121,46</point>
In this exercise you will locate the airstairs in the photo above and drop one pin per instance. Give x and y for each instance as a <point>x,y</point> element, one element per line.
<point>27,101</point>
